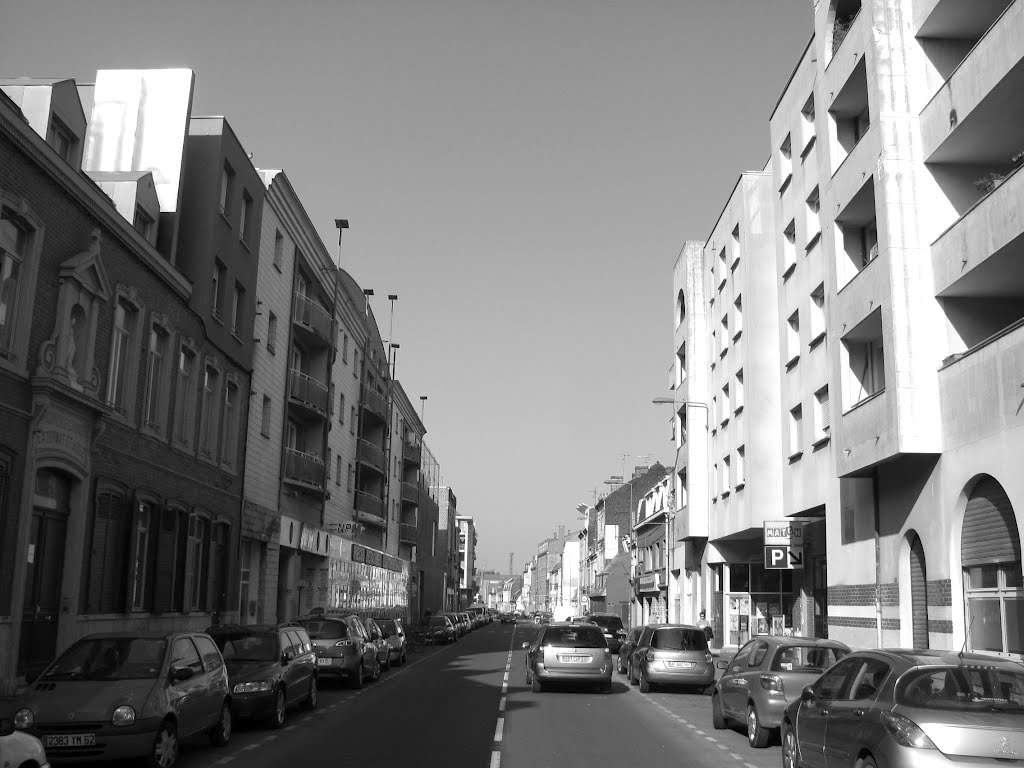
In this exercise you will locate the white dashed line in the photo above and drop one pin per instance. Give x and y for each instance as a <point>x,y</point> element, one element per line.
<point>722,746</point>
<point>734,756</point>
<point>225,760</point>
<point>248,747</point>
<point>712,739</point>
<point>495,759</point>
<point>499,730</point>
<point>501,704</point>
<point>289,727</point>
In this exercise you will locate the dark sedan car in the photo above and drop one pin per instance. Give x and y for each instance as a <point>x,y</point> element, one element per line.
<point>765,676</point>
<point>269,669</point>
<point>128,695</point>
<point>626,650</point>
<point>611,624</point>
<point>909,709</point>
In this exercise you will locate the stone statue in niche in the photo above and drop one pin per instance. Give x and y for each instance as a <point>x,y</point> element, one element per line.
<point>69,354</point>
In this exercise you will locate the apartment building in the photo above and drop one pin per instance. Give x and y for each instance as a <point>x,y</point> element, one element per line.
<point>652,568</point>
<point>467,559</point>
<point>448,542</point>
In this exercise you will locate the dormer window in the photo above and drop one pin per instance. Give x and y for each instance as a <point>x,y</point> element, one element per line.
<point>60,137</point>
<point>143,223</point>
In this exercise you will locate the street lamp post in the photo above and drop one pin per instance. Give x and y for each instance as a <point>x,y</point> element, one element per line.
<point>670,514</point>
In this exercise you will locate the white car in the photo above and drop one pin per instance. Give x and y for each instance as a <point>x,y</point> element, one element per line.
<point>22,749</point>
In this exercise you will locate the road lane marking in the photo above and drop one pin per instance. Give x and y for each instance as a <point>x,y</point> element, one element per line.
<point>722,746</point>
<point>495,759</point>
<point>712,739</point>
<point>501,704</point>
<point>734,756</point>
<point>225,760</point>
<point>248,747</point>
<point>499,730</point>
<point>288,728</point>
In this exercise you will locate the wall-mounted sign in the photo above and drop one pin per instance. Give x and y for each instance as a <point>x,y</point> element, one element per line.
<point>648,583</point>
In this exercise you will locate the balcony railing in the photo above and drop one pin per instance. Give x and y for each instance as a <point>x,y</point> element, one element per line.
<point>304,468</point>
<point>370,454</point>
<point>369,507</point>
<point>411,453</point>
<point>374,402</point>
<point>310,392</point>
<point>310,315</point>
<point>411,492</point>
<point>408,534</point>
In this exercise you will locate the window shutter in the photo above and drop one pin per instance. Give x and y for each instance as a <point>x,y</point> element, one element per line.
<point>97,555</point>
<point>799,432</point>
<point>107,569</point>
<point>166,557</point>
<point>826,412</point>
<point>990,532</point>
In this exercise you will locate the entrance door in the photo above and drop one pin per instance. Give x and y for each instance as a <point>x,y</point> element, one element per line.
<point>918,594</point>
<point>820,597</point>
<point>41,606</point>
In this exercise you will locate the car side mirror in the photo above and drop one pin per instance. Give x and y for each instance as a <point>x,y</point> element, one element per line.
<point>526,645</point>
<point>6,726</point>
<point>286,657</point>
<point>808,694</point>
<point>177,674</point>
<point>722,664</point>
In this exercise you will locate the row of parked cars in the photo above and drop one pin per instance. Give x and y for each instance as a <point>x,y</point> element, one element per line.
<point>138,695</point>
<point>831,707</point>
<point>449,626</point>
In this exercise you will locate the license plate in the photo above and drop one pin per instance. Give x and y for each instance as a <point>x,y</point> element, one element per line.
<point>325,662</point>
<point>71,740</point>
<point>679,664</point>
<point>574,659</point>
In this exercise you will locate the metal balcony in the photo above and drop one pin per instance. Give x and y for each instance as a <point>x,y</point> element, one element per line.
<point>412,453</point>
<point>411,493</point>
<point>373,402</point>
<point>313,322</point>
<point>370,455</point>
<point>408,534</point>
<point>369,508</point>
<point>304,469</point>
<point>309,393</point>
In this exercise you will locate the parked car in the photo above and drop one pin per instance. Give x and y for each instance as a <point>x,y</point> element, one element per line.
<point>343,650</point>
<point>507,618</point>
<point>909,708</point>
<point>611,623</point>
<point>626,650</point>
<point>129,695</point>
<point>566,652</point>
<point>765,676</point>
<point>19,749</point>
<point>671,654</point>
<point>270,668</point>
<point>376,637</point>
<point>467,619</point>
<point>441,629</point>
<point>394,634</point>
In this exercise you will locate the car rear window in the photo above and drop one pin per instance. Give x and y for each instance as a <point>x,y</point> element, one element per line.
<point>386,625</point>
<point>325,630</point>
<point>966,689</point>
<point>679,639</point>
<point>578,636</point>
<point>609,623</point>
<point>805,658</point>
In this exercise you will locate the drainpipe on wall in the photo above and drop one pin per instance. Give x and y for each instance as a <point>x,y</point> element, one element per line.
<point>878,560</point>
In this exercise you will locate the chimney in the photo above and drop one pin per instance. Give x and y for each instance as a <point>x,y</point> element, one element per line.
<point>640,470</point>
<point>561,531</point>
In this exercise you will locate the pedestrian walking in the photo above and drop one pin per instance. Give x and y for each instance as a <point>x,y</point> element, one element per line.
<point>704,624</point>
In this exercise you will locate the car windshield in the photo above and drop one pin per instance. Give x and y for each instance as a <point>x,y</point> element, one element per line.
<point>679,639</point>
<point>805,658</point>
<point>247,645</point>
<point>386,625</point>
<point>110,658</point>
<point>438,621</point>
<point>610,624</point>
<point>968,688</point>
<point>325,630</point>
<point>578,636</point>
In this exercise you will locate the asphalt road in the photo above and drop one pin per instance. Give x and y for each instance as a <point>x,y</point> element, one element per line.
<point>467,706</point>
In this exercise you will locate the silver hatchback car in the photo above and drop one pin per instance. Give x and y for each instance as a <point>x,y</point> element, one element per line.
<point>909,709</point>
<point>565,652</point>
<point>671,654</point>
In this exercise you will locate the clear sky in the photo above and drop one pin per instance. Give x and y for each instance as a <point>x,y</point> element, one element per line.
<point>522,173</point>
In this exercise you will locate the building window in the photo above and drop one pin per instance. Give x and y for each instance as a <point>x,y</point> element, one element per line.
<point>197,546</point>
<point>272,333</point>
<point>807,125</point>
<point>737,391</point>
<point>143,224</point>
<point>741,457</point>
<point>217,289</point>
<point>726,477</point>
<point>157,379</point>
<point>793,339</point>
<point>817,315</point>
<point>337,471</point>
<point>812,221</point>
<point>237,310</point>
<point>849,117</point>
<point>123,357</point>
<point>344,348</point>
<point>246,221</point>
<point>219,557</point>
<point>726,407</point>
<point>352,420</point>
<point>341,408</point>
<point>737,317</point>
<point>796,431</point>
<point>722,268</point>
<point>209,417</point>
<point>227,183</point>
<point>785,163</point>
<point>725,333</point>
<point>864,356</point>
<point>14,236</point>
<point>278,249</point>
<point>63,141</point>
<point>265,420</point>
<point>351,477</point>
<point>229,425</point>
<point>822,415</point>
<point>789,249</point>
<point>714,482</point>
<point>143,556</point>
<point>735,245</point>
<point>107,553</point>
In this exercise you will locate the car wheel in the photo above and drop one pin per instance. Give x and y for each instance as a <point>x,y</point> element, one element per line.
<point>275,719</point>
<point>359,680</point>
<point>375,674</point>
<point>537,686</point>
<point>629,674</point>
<point>310,701</point>
<point>402,661</point>
<point>618,665</point>
<point>165,747</point>
<point>645,684</point>
<point>220,734</point>
<point>789,756</point>
<point>757,736</point>
<point>717,714</point>
<point>387,662</point>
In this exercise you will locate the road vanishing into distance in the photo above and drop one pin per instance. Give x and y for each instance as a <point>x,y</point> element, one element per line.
<point>467,705</point>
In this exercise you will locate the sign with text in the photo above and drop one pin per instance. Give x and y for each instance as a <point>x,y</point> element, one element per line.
<point>784,533</point>
<point>783,557</point>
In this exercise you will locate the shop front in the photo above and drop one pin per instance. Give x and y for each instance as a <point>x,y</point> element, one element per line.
<point>366,580</point>
<point>652,595</point>
<point>748,599</point>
